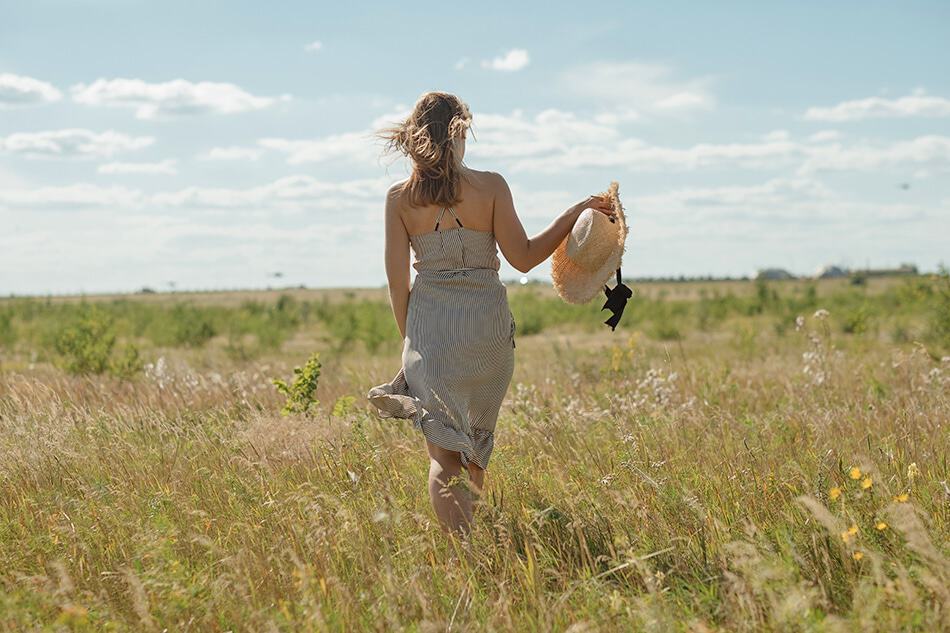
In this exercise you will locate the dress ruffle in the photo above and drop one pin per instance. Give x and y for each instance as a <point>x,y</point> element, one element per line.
<point>393,399</point>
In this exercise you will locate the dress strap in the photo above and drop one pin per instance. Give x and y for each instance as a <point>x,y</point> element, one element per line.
<point>439,219</point>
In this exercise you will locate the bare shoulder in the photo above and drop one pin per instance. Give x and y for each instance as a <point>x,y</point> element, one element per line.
<point>490,181</point>
<point>395,197</point>
<point>396,189</point>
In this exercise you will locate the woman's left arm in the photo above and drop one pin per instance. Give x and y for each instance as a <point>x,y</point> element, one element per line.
<point>397,263</point>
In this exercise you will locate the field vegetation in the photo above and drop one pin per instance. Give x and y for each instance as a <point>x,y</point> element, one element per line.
<point>737,456</point>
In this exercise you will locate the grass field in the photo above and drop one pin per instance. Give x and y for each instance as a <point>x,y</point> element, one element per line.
<point>735,457</point>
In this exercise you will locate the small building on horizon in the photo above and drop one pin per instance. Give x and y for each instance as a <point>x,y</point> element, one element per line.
<point>831,272</point>
<point>903,269</point>
<point>773,274</point>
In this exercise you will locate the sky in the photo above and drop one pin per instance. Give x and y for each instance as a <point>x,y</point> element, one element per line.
<point>214,145</point>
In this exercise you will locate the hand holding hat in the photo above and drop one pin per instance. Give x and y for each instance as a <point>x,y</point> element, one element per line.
<point>591,254</point>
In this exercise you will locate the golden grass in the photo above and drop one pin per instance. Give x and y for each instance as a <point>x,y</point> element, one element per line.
<point>635,485</point>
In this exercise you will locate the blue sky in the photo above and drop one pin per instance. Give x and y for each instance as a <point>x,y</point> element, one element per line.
<point>211,144</point>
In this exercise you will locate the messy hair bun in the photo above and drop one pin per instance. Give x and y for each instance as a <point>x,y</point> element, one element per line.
<point>430,137</point>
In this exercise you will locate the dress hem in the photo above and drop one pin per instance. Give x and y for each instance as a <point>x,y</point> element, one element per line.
<point>393,400</point>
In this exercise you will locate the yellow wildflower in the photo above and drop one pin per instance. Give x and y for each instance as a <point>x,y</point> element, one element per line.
<point>866,483</point>
<point>848,534</point>
<point>858,555</point>
<point>881,526</point>
<point>902,497</point>
<point>855,473</point>
<point>834,493</point>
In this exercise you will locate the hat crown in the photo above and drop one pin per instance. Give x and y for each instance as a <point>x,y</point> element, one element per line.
<point>592,240</point>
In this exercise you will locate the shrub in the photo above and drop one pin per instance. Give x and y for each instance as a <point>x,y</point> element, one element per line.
<point>856,321</point>
<point>368,321</point>
<point>191,326</point>
<point>666,331</point>
<point>7,333</point>
<point>939,319</point>
<point>86,345</point>
<point>128,363</point>
<point>301,393</point>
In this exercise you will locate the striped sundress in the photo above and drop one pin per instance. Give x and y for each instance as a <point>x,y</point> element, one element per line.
<point>458,354</point>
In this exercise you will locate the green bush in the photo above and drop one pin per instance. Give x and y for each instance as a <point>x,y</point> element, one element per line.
<point>856,321</point>
<point>369,322</point>
<point>127,363</point>
<point>301,392</point>
<point>665,330</point>
<point>85,345</point>
<point>190,326</point>
<point>938,324</point>
<point>7,333</point>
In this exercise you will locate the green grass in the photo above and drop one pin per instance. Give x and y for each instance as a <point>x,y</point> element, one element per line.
<point>641,480</point>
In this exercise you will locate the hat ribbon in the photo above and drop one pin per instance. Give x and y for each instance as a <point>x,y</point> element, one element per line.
<point>616,301</point>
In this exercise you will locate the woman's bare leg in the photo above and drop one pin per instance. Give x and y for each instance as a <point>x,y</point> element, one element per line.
<point>476,477</point>
<point>450,495</point>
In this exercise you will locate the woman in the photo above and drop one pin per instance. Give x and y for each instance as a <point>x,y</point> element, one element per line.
<point>458,348</point>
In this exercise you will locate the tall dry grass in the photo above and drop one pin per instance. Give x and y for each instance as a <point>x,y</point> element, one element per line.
<point>733,479</point>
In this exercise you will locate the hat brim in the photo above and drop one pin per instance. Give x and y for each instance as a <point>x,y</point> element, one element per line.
<point>576,285</point>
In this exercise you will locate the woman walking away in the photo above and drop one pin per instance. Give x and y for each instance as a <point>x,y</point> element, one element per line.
<point>459,333</point>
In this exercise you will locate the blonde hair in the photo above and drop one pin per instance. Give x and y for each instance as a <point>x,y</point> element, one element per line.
<point>429,138</point>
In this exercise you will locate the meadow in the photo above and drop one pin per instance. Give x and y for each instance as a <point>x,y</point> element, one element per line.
<point>736,456</point>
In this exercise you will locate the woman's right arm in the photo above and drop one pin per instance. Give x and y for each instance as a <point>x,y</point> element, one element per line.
<point>525,253</point>
<point>397,263</point>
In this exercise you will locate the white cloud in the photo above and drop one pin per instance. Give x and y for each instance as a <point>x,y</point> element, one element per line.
<point>172,98</point>
<point>352,146</point>
<point>915,105</point>
<point>396,115</point>
<point>558,141</point>
<point>649,87</point>
<point>79,195</point>
<point>297,190</point>
<point>17,90</point>
<point>617,116</point>
<point>764,199</point>
<point>70,143</point>
<point>292,192</point>
<point>232,153</point>
<point>166,167</point>
<point>637,155</point>
<point>515,59</point>
<point>313,46</point>
<point>824,136</point>
<point>777,135</point>
<point>930,150</point>
<point>549,132</point>
<point>684,101</point>
<point>555,141</point>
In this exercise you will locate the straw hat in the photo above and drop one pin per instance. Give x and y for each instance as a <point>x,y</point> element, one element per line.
<point>591,253</point>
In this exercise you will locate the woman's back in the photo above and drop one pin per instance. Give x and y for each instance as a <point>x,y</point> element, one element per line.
<point>475,209</point>
<point>456,237</point>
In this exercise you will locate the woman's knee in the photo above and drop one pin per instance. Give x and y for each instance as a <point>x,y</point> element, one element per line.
<point>449,462</point>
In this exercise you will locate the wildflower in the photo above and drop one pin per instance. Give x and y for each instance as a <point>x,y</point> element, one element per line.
<point>834,493</point>
<point>902,497</point>
<point>822,314</point>
<point>855,473</point>
<point>866,483</point>
<point>848,534</point>
<point>881,526</point>
<point>912,471</point>
<point>858,555</point>
<point>799,322</point>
